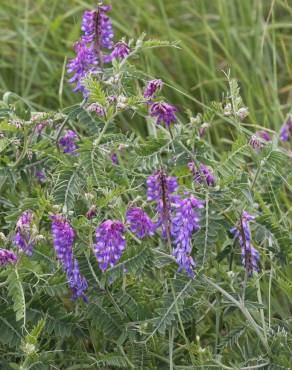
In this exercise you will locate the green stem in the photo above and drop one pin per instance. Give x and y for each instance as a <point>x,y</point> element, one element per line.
<point>171,336</point>
<point>182,326</point>
<point>270,289</point>
<point>243,309</point>
<point>259,294</point>
<point>105,127</point>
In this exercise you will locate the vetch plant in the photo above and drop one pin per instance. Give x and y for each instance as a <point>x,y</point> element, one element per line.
<point>124,200</point>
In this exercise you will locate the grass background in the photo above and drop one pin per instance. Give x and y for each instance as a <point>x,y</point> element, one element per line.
<point>252,38</point>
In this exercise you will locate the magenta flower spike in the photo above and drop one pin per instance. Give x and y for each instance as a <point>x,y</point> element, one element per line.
<point>63,238</point>
<point>139,222</point>
<point>163,112</point>
<point>110,243</point>
<point>22,238</point>
<point>7,257</point>
<point>249,255</point>
<point>152,87</point>
<point>184,223</point>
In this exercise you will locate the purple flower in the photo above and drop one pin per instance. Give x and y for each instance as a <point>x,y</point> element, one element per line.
<point>202,173</point>
<point>97,28</point>
<point>98,32</point>
<point>63,237</point>
<point>25,220</point>
<point>84,63</point>
<point>110,243</point>
<point>249,255</point>
<point>77,282</point>
<point>97,108</point>
<point>140,223</point>
<point>257,140</point>
<point>42,125</point>
<point>184,223</point>
<point>121,50</point>
<point>22,238</point>
<point>160,188</point>
<point>68,142</point>
<point>111,99</point>
<point>6,257</point>
<point>264,135</point>
<point>91,213</point>
<point>105,28</point>
<point>40,174</point>
<point>152,87</point>
<point>286,130</point>
<point>163,112</point>
<point>114,158</point>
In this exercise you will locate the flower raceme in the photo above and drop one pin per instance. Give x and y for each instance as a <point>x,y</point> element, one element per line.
<point>121,50</point>
<point>202,173</point>
<point>176,215</point>
<point>160,189</point>
<point>152,87</point>
<point>139,222</point>
<point>84,63</point>
<point>97,27</point>
<point>163,112</point>
<point>184,223</point>
<point>7,257</point>
<point>22,238</point>
<point>249,255</point>
<point>110,243</point>
<point>286,130</point>
<point>98,34</point>
<point>41,176</point>
<point>63,237</point>
<point>68,142</point>
<point>258,139</point>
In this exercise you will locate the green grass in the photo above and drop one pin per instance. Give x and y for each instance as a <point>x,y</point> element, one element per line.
<point>251,38</point>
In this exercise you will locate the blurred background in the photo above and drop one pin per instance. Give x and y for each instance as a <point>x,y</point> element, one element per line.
<point>252,38</point>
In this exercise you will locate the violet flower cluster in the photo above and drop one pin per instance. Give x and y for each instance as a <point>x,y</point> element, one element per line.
<point>7,257</point>
<point>63,237</point>
<point>184,222</point>
<point>176,216</point>
<point>249,255</point>
<point>110,243</point>
<point>152,87</point>
<point>41,176</point>
<point>163,112</point>
<point>160,188</point>
<point>98,34</point>
<point>121,50</point>
<point>84,63</point>
<point>258,139</point>
<point>139,222</point>
<point>286,130</point>
<point>68,142</point>
<point>97,27</point>
<point>22,238</point>
<point>202,174</point>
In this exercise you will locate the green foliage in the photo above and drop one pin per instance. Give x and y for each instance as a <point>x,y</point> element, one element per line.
<point>142,313</point>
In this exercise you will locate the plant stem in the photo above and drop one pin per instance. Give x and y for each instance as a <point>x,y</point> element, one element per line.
<point>105,127</point>
<point>171,336</point>
<point>243,309</point>
<point>259,294</point>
